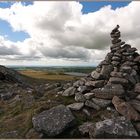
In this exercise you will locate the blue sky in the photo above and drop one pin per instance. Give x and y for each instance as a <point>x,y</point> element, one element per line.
<point>7,31</point>
<point>95,6</point>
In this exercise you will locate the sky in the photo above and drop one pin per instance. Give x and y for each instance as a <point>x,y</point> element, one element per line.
<point>64,33</point>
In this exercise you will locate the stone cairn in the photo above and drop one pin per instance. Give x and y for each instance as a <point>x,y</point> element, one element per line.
<point>115,82</point>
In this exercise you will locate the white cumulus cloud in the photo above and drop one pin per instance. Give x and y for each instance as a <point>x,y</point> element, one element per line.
<point>60,31</point>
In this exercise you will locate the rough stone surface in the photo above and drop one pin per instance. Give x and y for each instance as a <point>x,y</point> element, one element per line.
<point>54,121</point>
<point>91,104</point>
<point>88,95</point>
<point>96,75</point>
<point>106,70</point>
<point>69,92</point>
<point>113,128</point>
<point>117,80</point>
<point>101,102</point>
<point>135,104</point>
<point>125,109</point>
<point>109,91</point>
<point>137,88</point>
<point>76,106</point>
<point>137,126</point>
<point>138,97</point>
<point>85,127</point>
<point>83,89</point>
<point>97,83</point>
<point>79,97</point>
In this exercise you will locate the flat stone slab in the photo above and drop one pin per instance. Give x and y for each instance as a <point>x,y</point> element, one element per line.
<point>53,121</point>
<point>75,106</point>
<point>101,102</point>
<point>69,92</point>
<point>109,91</point>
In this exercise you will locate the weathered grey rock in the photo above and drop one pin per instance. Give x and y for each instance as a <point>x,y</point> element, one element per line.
<point>89,95</point>
<point>89,103</point>
<point>117,54</point>
<point>98,70</point>
<point>12,76</point>
<point>67,85</point>
<point>109,113</point>
<point>116,58</point>
<point>115,49</point>
<point>130,78</point>
<point>135,104</point>
<point>114,41</point>
<point>109,91</point>
<point>83,89</point>
<point>130,58</point>
<point>117,80</point>
<point>49,87</point>
<point>131,49</point>
<point>85,127</point>
<point>137,127</point>
<point>69,92</point>
<point>106,70</point>
<point>108,57</point>
<point>126,46</point>
<point>53,121</point>
<point>104,62</point>
<point>75,106</point>
<point>137,59</point>
<point>125,109</point>
<point>85,111</point>
<point>137,88</point>
<point>96,75</point>
<point>116,74</point>
<point>128,63</point>
<point>113,128</point>
<point>138,97</point>
<point>80,82</point>
<point>118,44</point>
<point>97,83</point>
<point>126,69</point>
<point>115,63</point>
<point>79,97</point>
<point>117,35</point>
<point>115,29</point>
<point>101,102</point>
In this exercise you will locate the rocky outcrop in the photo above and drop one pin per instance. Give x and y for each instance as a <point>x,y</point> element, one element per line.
<point>76,106</point>
<point>117,75</point>
<point>114,83</point>
<point>11,75</point>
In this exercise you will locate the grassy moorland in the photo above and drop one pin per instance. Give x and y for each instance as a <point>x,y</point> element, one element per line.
<point>53,73</point>
<point>16,114</point>
<point>46,75</point>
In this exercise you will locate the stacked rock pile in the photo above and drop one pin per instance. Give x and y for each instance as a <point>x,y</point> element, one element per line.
<point>116,82</point>
<point>111,93</point>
